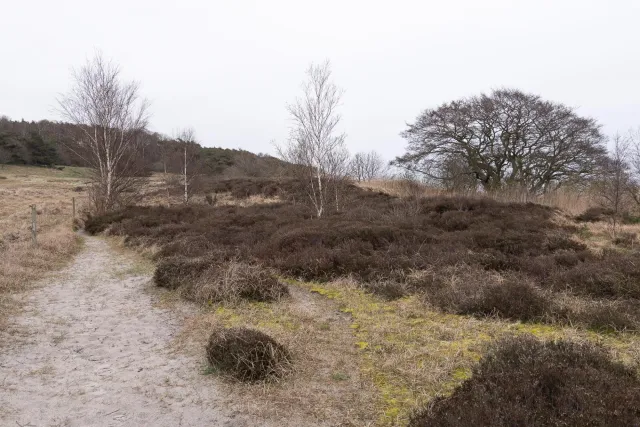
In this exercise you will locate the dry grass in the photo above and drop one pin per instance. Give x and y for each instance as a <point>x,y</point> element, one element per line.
<point>51,191</point>
<point>162,189</point>
<point>570,201</point>
<point>326,386</point>
<point>413,354</point>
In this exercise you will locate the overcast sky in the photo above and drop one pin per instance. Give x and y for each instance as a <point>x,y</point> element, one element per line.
<point>228,68</point>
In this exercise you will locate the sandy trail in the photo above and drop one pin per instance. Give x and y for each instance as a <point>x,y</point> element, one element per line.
<point>94,351</point>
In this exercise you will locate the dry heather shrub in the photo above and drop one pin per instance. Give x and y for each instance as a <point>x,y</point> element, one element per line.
<point>595,213</point>
<point>611,275</point>
<point>232,281</point>
<point>247,355</point>
<point>602,315</point>
<point>469,290</point>
<point>173,273</point>
<point>207,280</point>
<point>626,239</point>
<point>526,382</point>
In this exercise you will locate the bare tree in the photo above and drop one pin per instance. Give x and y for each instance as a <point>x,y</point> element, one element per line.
<point>314,144</point>
<point>615,187</point>
<point>505,138</point>
<point>111,115</point>
<point>367,166</point>
<point>190,156</point>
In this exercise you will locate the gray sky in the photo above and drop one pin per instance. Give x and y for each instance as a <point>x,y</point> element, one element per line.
<point>228,68</point>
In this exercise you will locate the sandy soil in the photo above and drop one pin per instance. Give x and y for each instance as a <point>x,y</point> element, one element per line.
<point>91,349</point>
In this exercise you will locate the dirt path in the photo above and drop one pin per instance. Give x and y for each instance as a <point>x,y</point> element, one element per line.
<point>92,350</point>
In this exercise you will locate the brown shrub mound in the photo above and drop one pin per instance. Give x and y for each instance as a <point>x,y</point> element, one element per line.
<point>595,214</point>
<point>526,382</point>
<point>610,275</point>
<point>247,355</point>
<point>213,280</point>
<point>602,315</point>
<point>234,281</point>
<point>173,273</point>
<point>468,290</point>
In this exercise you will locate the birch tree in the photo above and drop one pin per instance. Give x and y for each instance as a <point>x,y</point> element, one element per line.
<point>112,116</point>
<point>315,144</point>
<point>190,156</point>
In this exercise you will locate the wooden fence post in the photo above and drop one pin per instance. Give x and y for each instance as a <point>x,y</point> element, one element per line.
<point>74,207</point>
<point>34,229</point>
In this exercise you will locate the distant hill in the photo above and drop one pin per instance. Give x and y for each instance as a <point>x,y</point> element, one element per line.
<point>42,143</point>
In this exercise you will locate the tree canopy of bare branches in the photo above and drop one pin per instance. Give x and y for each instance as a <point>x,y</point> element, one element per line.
<point>505,138</point>
<point>112,117</point>
<point>314,143</point>
<point>366,166</point>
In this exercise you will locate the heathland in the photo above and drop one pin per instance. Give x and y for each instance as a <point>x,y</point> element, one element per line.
<point>399,304</point>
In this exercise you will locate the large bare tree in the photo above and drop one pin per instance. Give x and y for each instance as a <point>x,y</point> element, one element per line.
<point>315,143</point>
<point>505,138</point>
<point>112,117</point>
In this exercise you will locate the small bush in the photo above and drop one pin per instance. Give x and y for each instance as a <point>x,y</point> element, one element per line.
<point>606,316</point>
<point>595,214</point>
<point>175,272</point>
<point>247,355</point>
<point>525,382</point>
<point>467,290</point>
<point>211,200</point>
<point>232,281</point>
<point>626,239</point>
<point>611,275</point>
<point>213,279</point>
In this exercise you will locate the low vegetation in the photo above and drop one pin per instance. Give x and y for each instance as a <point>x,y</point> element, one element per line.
<point>213,280</point>
<point>526,382</point>
<point>20,263</point>
<point>427,283</point>
<point>465,255</point>
<point>247,355</point>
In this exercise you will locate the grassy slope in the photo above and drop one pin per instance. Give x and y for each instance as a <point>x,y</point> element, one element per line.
<point>51,191</point>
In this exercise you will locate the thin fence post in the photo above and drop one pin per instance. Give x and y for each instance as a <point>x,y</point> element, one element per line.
<point>34,229</point>
<point>73,199</point>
